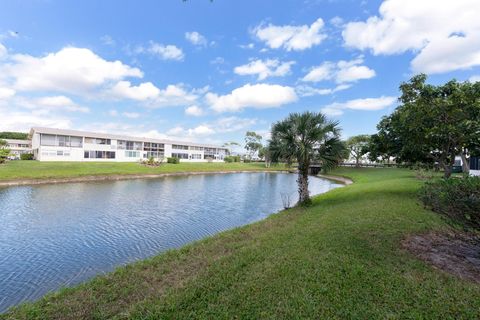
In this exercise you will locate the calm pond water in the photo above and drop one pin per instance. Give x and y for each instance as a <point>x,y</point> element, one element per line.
<point>53,236</point>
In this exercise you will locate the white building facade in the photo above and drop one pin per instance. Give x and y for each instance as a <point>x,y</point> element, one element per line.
<point>49,144</point>
<point>18,147</point>
<point>475,166</point>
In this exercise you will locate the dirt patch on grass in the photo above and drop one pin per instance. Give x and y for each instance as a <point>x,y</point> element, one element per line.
<point>453,252</point>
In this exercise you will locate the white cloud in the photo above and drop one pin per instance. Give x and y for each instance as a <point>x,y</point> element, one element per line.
<point>174,95</point>
<point>444,35</point>
<point>144,91</point>
<point>3,51</point>
<point>337,21</point>
<point>131,115</point>
<point>222,125</point>
<point>194,110</point>
<point>307,91</point>
<point>218,60</point>
<point>247,46</point>
<point>176,131</point>
<point>291,37</point>
<point>58,103</point>
<point>255,96</point>
<point>341,72</point>
<point>72,70</point>
<point>265,69</point>
<point>6,93</point>
<point>201,130</point>
<point>166,52</point>
<point>322,72</point>
<point>14,120</point>
<point>233,124</point>
<point>181,133</point>
<point>107,40</point>
<point>196,38</point>
<point>474,79</point>
<point>368,104</point>
<point>9,34</point>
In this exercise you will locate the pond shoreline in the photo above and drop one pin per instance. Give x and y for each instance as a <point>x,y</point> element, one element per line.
<point>119,177</point>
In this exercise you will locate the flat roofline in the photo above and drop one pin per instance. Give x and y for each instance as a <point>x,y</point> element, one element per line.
<point>16,141</point>
<point>78,133</point>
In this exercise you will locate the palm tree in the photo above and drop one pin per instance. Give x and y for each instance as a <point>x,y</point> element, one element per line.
<point>305,138</point>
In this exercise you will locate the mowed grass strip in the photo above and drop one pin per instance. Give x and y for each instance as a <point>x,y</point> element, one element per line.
<point>340,259</point>
<point>15,170</point>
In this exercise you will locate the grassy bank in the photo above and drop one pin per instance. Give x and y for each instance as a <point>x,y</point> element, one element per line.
<point>14,170</point>
<point>340,258</point>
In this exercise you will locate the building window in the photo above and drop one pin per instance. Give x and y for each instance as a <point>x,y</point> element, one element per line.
<point>129,145</point>
<point>196,148</point>
<point>196,156</point>
<point>76,142</point>
<point>47,140</point>
<point>179,147</point>
<point>475,163</point>
<point>132,154</point>
<point>99,155</point>
<point>97,141</point>
<point>60,141</point>
<point>154,154</point>
<point>150,146</point>
<point>180,155</point>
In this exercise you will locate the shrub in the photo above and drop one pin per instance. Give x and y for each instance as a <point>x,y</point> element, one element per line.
<point>151,162</point>
<point>230,159</point>
<point>4,153</point>
<point>458,199</point>
<point>173,160</point>
<point>247,160</point>
<point>26,156</point>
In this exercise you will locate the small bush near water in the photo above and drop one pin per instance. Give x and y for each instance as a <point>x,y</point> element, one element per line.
<point>458,199</point>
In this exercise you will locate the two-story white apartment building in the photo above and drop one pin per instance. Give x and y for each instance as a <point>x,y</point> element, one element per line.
<point>18,147</point>
<point>49,144</point>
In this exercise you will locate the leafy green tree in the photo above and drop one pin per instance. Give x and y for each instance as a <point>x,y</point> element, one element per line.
<point>253,143</point>
<point>434,123</point>
<point>230,145</point>
<point>384,144</point>
<point>358,147</point>
<point>306,137</point>
<point>265,154</point>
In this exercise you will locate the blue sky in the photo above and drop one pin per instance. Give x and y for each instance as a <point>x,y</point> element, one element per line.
<point>209,71</point>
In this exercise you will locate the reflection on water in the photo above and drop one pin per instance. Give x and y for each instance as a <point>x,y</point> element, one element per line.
<point>59,235</point>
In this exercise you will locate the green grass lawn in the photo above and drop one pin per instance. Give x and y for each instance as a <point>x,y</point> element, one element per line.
<point>340,258</point>
<point>13,170</point>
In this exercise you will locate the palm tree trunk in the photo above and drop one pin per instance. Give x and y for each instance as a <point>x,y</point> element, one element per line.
<point>303,193</point>
<point>465,163</point>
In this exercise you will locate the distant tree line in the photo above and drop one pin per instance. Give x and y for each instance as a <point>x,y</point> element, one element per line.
<point>13,135</point>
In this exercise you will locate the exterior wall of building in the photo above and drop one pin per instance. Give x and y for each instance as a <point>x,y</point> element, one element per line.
<point>65,146</point>
<point>18,147</point>
<point>475,166</point>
